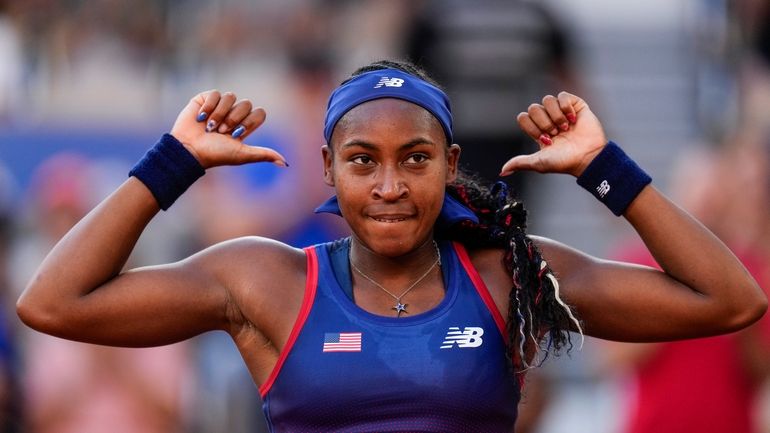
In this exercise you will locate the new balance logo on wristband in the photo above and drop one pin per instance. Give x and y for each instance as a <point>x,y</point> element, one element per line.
<point>389,82</point>
<point>603,189</point>
<point>468,337</point>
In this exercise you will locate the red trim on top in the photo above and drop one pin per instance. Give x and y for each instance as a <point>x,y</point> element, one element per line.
<point>481,288</point>
<point>307,303</point>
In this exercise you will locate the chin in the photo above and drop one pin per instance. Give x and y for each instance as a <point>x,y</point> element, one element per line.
<point>392,247</point>
<point>393,242</point>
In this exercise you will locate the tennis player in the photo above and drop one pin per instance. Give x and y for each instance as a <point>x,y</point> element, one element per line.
<point>427,317</point>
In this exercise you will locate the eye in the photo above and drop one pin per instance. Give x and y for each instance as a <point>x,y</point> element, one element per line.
<point>416,158</point>
<point>362,160</point>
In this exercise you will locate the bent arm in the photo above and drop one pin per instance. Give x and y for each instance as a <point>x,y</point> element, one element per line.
<point>79,293</point>
<point>703,289</point>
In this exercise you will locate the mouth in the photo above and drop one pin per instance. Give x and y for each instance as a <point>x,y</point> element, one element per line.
<point>390,219</point>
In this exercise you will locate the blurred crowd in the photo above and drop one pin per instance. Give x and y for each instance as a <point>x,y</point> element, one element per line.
<point>83,83</point>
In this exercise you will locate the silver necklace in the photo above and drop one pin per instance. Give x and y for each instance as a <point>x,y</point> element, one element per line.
<point>401,307</point>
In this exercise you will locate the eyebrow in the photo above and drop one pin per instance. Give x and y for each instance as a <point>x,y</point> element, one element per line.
<point>371,146</point>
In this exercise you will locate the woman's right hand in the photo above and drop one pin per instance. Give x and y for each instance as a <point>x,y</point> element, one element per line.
<point>213,126</point>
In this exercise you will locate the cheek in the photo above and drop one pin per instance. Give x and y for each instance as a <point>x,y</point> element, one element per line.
<point>437,199</point>
<point>351,193</point>
<point>429,192</point>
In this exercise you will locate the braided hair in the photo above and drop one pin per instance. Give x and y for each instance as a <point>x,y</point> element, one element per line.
<point>538,321</point>
<point>535,309</point>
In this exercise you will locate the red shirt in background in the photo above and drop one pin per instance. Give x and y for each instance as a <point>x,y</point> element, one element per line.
<point>697,385</point>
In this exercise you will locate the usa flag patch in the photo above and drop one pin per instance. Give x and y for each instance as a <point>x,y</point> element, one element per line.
<point>342,342</point>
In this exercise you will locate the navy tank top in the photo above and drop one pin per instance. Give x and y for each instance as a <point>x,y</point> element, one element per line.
<point>344,369</point>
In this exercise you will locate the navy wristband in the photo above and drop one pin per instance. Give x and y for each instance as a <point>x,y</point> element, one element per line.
<point>167,170</point>
<point>614,178</point>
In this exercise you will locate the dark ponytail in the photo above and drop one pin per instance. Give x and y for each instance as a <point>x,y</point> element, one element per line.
<point>534,307</point>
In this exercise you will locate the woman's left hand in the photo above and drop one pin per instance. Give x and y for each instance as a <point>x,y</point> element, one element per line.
<point>568,133</point>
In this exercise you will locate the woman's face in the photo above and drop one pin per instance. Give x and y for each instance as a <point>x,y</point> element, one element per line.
<point>390,164</point>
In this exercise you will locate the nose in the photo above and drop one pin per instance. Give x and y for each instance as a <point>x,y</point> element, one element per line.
<point>390,186</point>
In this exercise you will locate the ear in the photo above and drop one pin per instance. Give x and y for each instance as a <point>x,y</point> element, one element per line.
<point>453,162</point>
<point>328,157</point>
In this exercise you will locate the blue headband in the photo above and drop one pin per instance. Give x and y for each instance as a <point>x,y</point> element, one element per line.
<point>387,83</point>
<point>452,211</point>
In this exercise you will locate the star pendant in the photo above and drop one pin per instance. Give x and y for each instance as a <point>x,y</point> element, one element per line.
<point>400,308</point>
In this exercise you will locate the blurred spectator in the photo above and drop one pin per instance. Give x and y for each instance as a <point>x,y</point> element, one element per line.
<point>495,57</point>
<point>10,395</point>
<point>732,73</point>
<point>74,387</point>
<point>88,51</point>
<point>82,388</point>
<point>717,47</point>
<point>259,199</point>
<point>709,384</point>
<point>368,30</point>
<point>139,58</point>
<point>760,41</point>
<point>754,18</point>
<point>11,61</point>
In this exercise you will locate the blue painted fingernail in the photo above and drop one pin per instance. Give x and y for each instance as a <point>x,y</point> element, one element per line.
<point>239,131</point>
<point>210,126</point>
<point>202,116</point>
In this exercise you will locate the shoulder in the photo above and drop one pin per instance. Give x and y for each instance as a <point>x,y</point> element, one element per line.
<point>268,260</point>
<point>253,257</point>
<point>253,266</point>
<point>488,262</point>
<point>265,280</point>
<point>268,251</point>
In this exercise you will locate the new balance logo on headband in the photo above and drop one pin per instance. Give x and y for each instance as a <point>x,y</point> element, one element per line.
<point>389,82</point>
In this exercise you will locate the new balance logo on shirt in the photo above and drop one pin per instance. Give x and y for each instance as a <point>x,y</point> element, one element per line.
<point>470,336</point>
<point>389,82</point>
<point>603,189</point>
